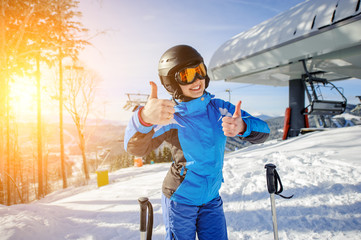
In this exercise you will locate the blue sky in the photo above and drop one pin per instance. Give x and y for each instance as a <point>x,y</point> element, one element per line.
<point>131,35</point>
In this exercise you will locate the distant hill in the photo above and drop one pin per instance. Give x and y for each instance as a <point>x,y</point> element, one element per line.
<point>104,136</point>
<point>264,117</point>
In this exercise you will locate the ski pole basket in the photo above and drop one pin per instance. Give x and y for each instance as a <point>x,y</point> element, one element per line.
<point>146,230</point>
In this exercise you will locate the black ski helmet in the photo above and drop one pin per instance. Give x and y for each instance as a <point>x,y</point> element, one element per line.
<point>174,59</point>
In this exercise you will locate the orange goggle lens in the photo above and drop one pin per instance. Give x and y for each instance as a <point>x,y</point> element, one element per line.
<point>189,75</point>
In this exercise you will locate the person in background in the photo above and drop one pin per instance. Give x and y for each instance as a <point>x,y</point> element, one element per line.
<point>196,126</point>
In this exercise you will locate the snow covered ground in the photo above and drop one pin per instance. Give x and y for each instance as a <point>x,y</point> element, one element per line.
<point>322,169</point>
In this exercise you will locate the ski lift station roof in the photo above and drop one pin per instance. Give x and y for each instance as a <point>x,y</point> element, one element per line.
<point>324,33</point>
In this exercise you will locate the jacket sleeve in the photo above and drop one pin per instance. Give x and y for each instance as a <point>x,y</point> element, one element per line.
<point>257,130</point>
<point>138,139</point>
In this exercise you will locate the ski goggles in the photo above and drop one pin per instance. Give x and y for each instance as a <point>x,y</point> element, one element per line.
<point>189,75</point>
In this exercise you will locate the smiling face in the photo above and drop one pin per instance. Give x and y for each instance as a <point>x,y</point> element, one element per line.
<point>195,89</point>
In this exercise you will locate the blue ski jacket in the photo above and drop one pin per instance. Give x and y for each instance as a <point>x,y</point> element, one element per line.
<point>197,145</point>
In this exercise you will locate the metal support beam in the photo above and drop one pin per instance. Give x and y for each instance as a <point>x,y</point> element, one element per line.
<point>297,105</point>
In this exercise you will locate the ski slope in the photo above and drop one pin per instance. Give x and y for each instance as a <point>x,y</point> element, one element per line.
<point>322,169</point>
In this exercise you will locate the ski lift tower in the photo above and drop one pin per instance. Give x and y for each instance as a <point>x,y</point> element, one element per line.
<point>135,100</point>
<point>315,42</point>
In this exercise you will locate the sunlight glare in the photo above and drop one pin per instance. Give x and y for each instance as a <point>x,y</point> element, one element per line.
<point>23,97</point>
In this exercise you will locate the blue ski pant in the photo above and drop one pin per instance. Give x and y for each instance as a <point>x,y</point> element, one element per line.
<point>183,222</point>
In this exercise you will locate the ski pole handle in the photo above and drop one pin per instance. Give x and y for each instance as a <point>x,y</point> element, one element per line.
<point>270,175</point>
<point>272,188</point>
<point>145,229</point>
<point>150,221</point>
<point>143,203</point>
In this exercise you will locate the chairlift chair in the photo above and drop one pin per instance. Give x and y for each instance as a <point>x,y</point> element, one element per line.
<point>316,105</point>
<point>323,107</point>
<point>135,100</point>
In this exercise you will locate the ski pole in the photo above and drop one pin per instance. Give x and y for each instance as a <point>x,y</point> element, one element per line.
<point>145,230</point>
<point>271,185</point>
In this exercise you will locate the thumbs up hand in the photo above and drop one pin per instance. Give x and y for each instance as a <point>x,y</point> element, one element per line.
<point>157,111</point>
<point>232,126</point>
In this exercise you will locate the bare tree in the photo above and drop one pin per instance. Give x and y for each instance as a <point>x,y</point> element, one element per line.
<point>68,43</point>
<point>79,94</point>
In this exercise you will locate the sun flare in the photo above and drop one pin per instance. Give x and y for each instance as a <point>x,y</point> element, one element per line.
<point>23,96</point>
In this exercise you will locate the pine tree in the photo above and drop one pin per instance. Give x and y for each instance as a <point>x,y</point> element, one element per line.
<point>167,155</point>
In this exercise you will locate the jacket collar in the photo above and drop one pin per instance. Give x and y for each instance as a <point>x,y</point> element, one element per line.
<point>193,106</point>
